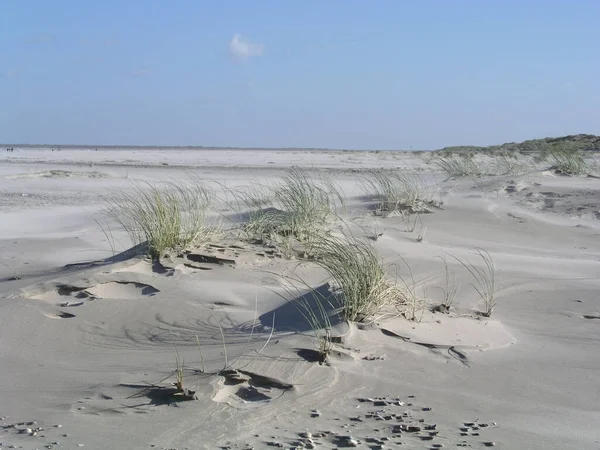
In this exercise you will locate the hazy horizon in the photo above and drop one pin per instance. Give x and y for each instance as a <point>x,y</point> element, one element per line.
<point>337,75</point>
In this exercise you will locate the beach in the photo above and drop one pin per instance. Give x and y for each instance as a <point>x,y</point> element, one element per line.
<point>94,336</point>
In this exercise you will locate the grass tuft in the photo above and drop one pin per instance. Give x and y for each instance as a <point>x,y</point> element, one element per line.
<point>361,285</point>
<point>457,166</point>
<point>16,274</point>
<point>399,191</point>
<point>484,280</point>
<point>169,217</point>
<point>297,207</point>
<point>450,289</point>
<point>569,162</point>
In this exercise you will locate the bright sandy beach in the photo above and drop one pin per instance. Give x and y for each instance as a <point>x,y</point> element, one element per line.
<point>93,336</point>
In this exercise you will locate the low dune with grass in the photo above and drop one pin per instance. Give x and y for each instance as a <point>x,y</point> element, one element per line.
<point>256,299</point>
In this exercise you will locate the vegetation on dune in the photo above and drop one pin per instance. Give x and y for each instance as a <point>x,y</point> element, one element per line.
<point>484,280</point>
<point>565,159</point>
<point>457,165</point>
<point>581,142</point>
<point>399,191</point>
<point>358,276</point>
<point>297,207</point>
<point>567,154</point>
<point>167,217</point>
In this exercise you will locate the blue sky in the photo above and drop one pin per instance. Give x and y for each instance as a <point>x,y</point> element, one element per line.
<point>379,74</point>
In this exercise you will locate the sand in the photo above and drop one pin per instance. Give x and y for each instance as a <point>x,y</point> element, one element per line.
<point>88,351</point>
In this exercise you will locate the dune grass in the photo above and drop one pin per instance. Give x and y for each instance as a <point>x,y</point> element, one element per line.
<point>298,206</point>
<point>451,287</point>
<point>362,288</point>
<point>484,280</point>
<point>569,161</point>
<point>398,191</point>
<point>168,217</point>
<point>566,158</point>
<point>508,163</point>
<point>457,165</point>
<point>16,274</point>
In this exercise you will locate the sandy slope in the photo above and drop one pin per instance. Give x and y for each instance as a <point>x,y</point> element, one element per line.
<point>93,348</point>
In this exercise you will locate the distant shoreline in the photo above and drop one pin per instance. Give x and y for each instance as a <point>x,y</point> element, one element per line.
<point>585,142</point>
<point>160,147</point>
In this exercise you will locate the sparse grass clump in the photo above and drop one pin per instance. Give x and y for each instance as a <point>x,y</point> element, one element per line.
<point>511,163</point>
<point>569,161</point>
<point>461,165</point>
<point>169,217</point>
<point>484,280</point>
<point>594,165</point>
<point>565,158</point>
<point>450,289</point>
<point>361,285</point>
<point>16,274</point>
<point>307,200</point>
<point>299,206</point>
<point>398,191</point>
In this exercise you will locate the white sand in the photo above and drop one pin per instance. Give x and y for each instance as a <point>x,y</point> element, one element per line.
<point>93,348</point>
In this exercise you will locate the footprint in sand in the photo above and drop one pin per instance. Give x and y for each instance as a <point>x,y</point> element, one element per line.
<point>122,290</point>
<point>246,389</point>
<point>60,315</point>
<point>60,292</point>
<point>111,290</point>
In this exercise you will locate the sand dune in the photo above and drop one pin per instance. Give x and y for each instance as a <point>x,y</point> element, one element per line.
<point>90,339</point>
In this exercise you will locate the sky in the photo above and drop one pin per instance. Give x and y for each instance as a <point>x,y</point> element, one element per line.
<point>354,74</point>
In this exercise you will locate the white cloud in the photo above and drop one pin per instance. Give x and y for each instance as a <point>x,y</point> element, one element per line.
<point>242,49</point>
